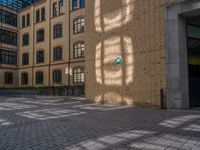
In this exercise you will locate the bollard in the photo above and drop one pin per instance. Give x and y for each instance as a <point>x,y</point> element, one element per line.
<point>162,99</point>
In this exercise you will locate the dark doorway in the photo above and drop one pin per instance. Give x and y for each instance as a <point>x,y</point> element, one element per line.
<point>193,50</point>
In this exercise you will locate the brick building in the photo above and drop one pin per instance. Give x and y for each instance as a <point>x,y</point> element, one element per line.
<point>51,49</point>
<point>126,51</point>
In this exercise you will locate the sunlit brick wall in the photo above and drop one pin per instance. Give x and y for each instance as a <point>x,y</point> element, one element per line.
<point>135,30</point>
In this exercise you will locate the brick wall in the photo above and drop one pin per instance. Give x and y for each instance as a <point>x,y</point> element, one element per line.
<point>135,30</point>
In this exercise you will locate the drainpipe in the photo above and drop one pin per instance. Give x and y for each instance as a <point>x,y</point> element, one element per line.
<point>69,44</point>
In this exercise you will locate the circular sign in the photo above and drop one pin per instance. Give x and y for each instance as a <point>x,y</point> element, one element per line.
<point>118,60</point>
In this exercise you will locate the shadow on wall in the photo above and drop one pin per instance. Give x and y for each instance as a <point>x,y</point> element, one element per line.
<point>129,29</point>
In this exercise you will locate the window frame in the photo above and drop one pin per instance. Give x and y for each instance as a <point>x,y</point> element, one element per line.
<point>57,51</point>
<point>58,31</point>
<point>7,80</point>
<point>57,76</point>
<point>79,77</point>
<point>25,39</point>
<point>38,75</point>
<point>40,35</point>
<point>24,81</point>
<point>79,48</point>
<point>43,14</point>
<point>54,10</point>
<point>25,59</point>
<point>79,25</point>
<point>40,57</point>
<point>8,57</point>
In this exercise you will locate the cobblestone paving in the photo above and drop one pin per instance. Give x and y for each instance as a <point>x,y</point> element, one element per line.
<point>58,124</point>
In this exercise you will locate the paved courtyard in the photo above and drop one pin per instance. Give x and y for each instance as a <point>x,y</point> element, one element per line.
<point>58,124</point>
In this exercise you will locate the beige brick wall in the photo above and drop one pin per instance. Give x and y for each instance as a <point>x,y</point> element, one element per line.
<point>135,30</point>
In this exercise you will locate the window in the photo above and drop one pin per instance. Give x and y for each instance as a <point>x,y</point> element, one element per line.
<point>79,50</point>
<point>38,15</point>
<point>57,76</point>
<point>57,31</point>
<point>23,21</point>
<point>57,53</point>
<point>28,20</point>
<point>24,78</point>
<point>8,18</point>
<point>8,57</point>
<point>82,3</point>
<point>25,41</point>
<point>8,37</point>
<point>40,35</point>
<point>42,14</point>
<point>39,77</point>
<point>61,6</point>
<point>78,75</point>
<point>25,59</point>
<point>54,9</point>
<point>79,25</point>
<point>8,78</point>
<point>40,56</point>
<point>74,4</point>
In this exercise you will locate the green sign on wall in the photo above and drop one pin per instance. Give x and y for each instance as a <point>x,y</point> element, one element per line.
<point>118,60</point>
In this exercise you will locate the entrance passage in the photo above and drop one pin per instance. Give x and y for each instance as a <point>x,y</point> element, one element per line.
<point>193,38</point>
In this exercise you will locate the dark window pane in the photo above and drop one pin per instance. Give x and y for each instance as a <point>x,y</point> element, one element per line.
<point>54,10</point>
<point>57,76</point>
<point>82,3</point>
<point>40,57</point>
<point>57,53</point>
<point>37,15</point>
<point>25,59</point>
<point>39,77</point>
<point>24,78</point>
<point>28,19</point>
<point>25,41</point>
<point>58,29</point>
<point>8,78</point>
<point>8,37</point>
<point>40,35</point>
<point>74,4</point>
<point>42,14</point>
<point>8,57</point>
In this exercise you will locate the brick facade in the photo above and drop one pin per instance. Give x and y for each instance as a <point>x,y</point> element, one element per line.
<point>135,30</point>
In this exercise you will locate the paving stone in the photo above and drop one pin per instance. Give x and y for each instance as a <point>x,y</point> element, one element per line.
<point>55,124</point>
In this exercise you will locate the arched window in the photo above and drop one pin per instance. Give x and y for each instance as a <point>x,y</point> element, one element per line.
<point>57,53</point>
<point>79,75</point>
<point>79,25</point>
<point>24,78</point>
<point>57,76</point>
<point>40,35</point>
<point>25,59</point>
<point>57,31</point>
<point>79,50</point>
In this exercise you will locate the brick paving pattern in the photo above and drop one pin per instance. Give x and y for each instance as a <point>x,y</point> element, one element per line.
<point>73,124</point>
